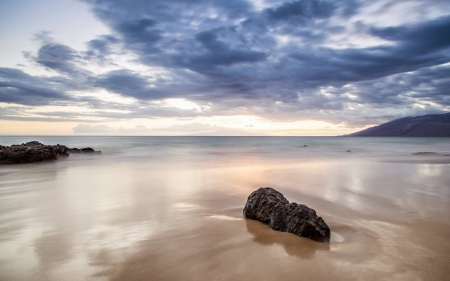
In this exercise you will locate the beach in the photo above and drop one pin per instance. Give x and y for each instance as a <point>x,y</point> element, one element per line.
<point>170,208</point>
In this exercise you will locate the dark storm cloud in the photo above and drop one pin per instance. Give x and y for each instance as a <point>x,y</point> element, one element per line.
<point>420,39</point>
<point>21,88</point>
<point>301,11</point>
<point>127,83</point>
<point>102,45</point>
<point>339,67</point>
<point>18,87</point>
<point>228,56</point>
<point>140,35</point>
<point>218,53</point>
<point>412,47</point>
<point>58,57</point>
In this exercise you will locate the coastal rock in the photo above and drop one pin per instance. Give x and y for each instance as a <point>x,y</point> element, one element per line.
<point>270,207</point>
<point>31,152</point>
<point>35,151</point>
<point>74,150</point>
<point>33,143</point>
<point>87,150</point>
<point>83,150</point>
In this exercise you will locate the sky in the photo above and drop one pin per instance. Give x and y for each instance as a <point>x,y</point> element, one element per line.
<point>214,67</point>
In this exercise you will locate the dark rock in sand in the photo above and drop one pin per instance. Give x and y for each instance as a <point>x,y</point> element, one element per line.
<point>31,152</point>
<point>349,150</point>
<point>272,208</point>
<point>424,153</point>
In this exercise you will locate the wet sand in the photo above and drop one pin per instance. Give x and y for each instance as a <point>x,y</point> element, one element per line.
<point>155,219</point>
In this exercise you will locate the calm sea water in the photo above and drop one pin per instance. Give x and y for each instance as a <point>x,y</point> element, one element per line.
<point>170,208</point>
<point>224,147</point>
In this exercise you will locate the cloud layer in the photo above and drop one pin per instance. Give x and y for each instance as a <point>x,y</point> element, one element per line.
<point>339,61</point>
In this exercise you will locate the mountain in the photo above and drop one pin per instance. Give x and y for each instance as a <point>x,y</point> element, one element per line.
<point>435,125</point>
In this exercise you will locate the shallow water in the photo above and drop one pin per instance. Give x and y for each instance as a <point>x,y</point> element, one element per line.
<point>168,208</point>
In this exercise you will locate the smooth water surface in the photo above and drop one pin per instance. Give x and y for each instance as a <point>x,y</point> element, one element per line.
<point>170,208</point>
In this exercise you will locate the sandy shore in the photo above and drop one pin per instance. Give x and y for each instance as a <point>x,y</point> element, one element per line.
<point>97,219</point>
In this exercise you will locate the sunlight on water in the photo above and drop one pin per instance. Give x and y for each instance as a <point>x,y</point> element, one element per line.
<point>430,170</point>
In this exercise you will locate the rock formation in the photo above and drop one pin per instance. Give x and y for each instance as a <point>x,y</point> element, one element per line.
<point>35,151</point>
<point>32,151</point>
<point>83,150</point>
<point>272,208</point>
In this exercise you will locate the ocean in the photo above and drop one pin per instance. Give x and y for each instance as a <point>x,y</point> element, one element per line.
<point>170,208</point>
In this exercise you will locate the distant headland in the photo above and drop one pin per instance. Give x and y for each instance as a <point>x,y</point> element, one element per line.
<point>433,125</point>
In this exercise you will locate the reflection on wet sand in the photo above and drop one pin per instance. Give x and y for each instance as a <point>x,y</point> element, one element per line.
<point>164,220</point>
<point>300,247</point>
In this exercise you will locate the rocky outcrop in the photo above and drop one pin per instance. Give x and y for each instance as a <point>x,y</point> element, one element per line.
<point>32,151</point>
<point>272,208</point>
<point>83,150</point>
<point>35,151</point>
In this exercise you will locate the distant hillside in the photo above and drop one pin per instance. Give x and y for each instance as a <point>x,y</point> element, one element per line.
<point>437,125</point>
